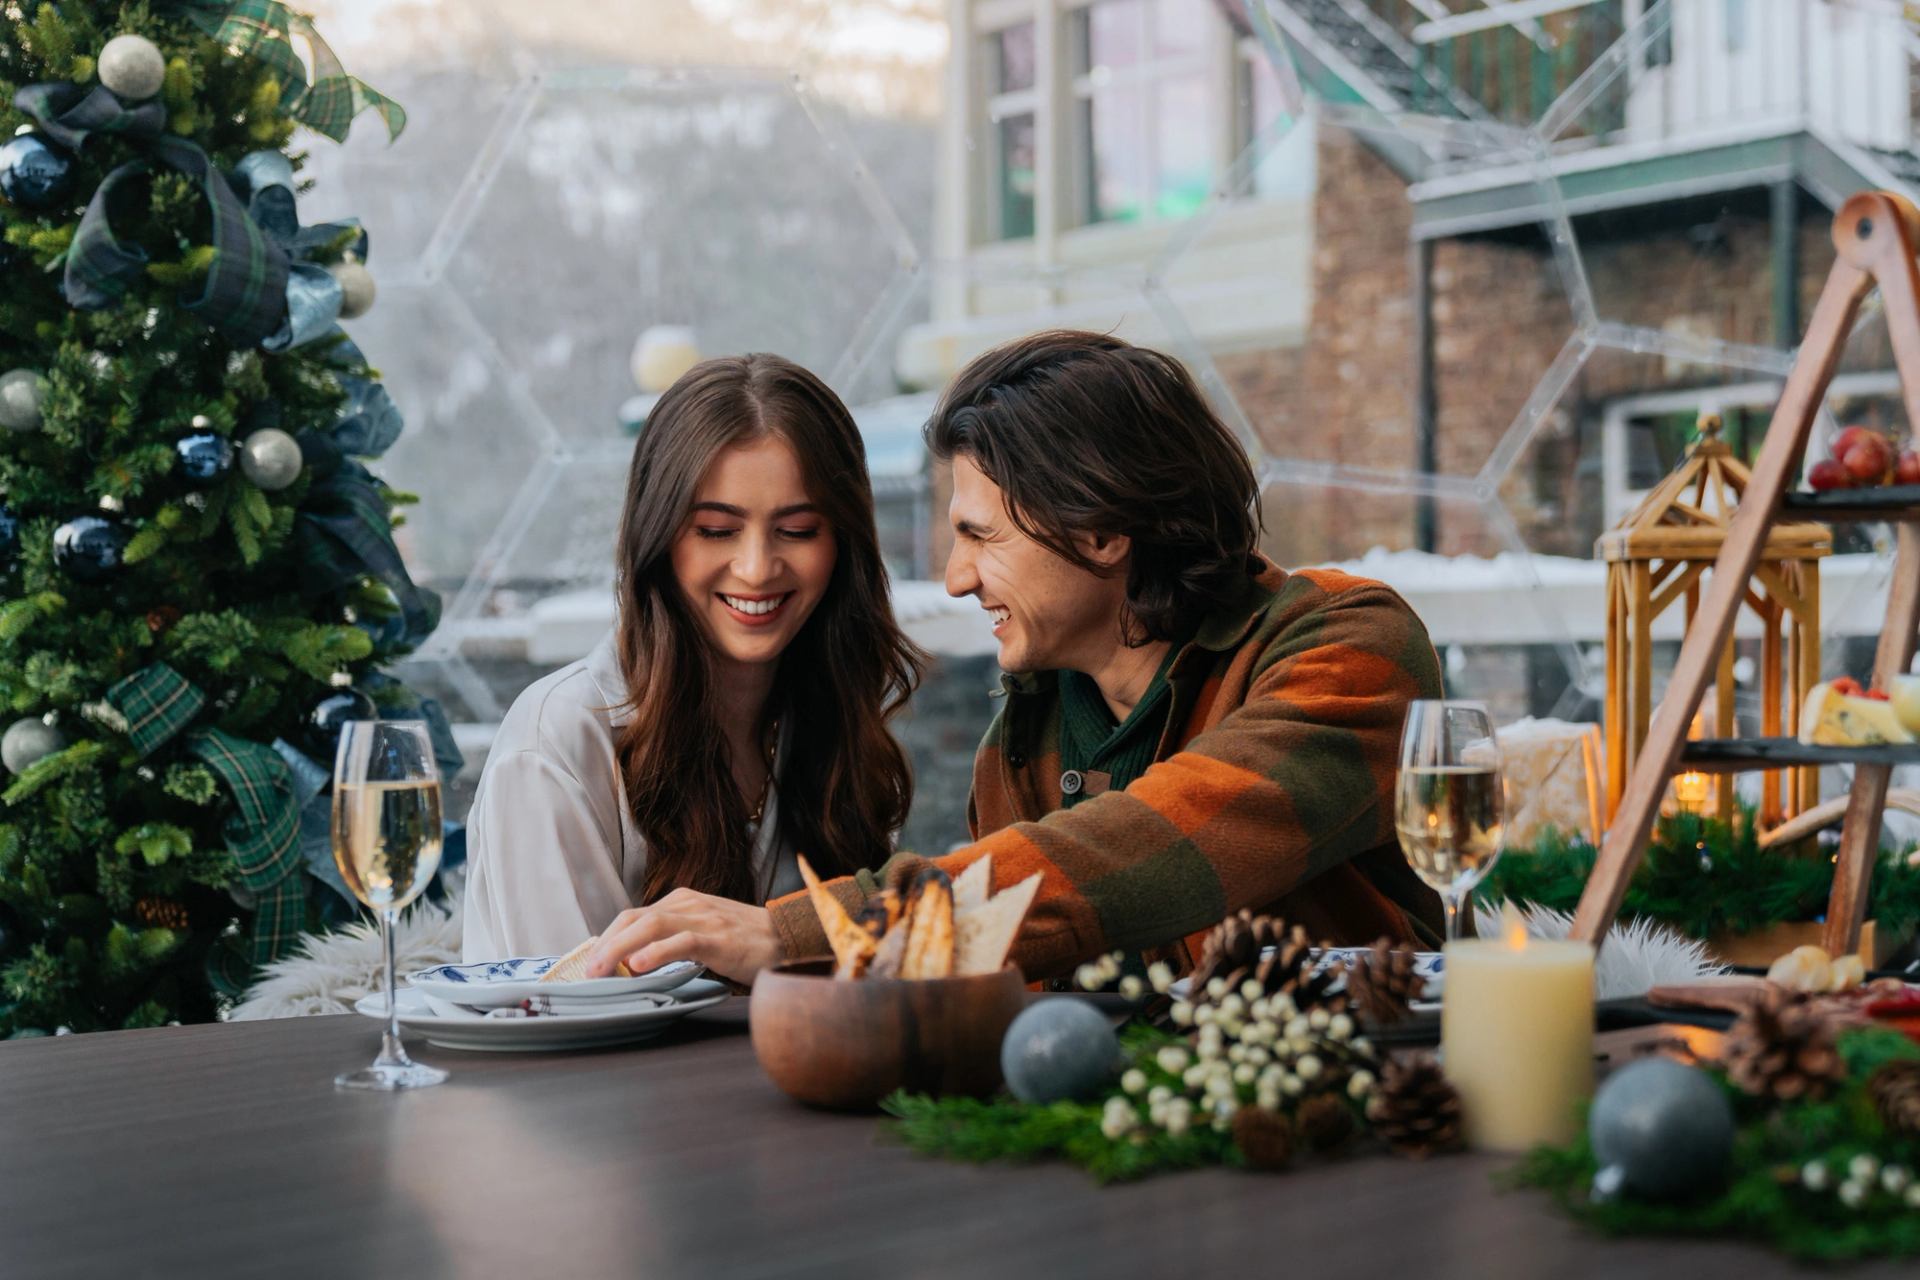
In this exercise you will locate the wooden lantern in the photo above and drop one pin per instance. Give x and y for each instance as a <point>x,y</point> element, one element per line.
<point>1655,558</point>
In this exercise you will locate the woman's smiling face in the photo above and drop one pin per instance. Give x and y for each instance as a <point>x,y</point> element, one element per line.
<point>754,556</point>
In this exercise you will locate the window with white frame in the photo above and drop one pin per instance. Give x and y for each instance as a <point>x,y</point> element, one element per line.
<point>1143,123</point>
<point>1013,105</point>
<point>1143,101</point>
<point>1644,437</point>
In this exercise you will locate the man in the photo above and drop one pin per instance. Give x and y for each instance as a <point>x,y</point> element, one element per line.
<point>1188,730</point>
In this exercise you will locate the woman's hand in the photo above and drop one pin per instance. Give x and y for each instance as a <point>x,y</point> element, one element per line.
<point>731,938</point>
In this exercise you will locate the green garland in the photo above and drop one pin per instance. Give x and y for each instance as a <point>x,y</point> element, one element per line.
<point>1767,1196</point>
<point>1703,876</point>
<point>982,1131</point>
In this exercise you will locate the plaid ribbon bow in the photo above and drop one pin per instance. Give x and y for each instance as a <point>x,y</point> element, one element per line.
<point>264,831</point>
<point>68,113</point>
<point>265,29</point>
<point>343,534</point>
<point>246,287</point>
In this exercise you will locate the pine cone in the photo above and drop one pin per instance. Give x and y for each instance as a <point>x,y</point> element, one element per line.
<point>1783,1048</point>
<point>1382,983</point>
<point>162,912</point>
<point>1325,1121</point>
<point>1233,953</point>
<point>1895,1090</point>
<point>1264,1137</point>
<point>1414,1109</point>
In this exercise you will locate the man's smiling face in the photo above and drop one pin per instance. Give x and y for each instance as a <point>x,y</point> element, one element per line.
<point>1049,614</point>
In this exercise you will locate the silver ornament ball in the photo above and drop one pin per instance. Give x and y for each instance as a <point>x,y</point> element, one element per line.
<point>27,741</point>
<point>270,458</point>
<point>1662,1130</point>
<point>1057,1049</point>
<point>356,288</point>
<point>132,67</point>
<point>23,393</point>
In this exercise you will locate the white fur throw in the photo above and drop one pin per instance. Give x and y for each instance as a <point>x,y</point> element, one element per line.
<point>1639,955</point>
<point>332,970</point>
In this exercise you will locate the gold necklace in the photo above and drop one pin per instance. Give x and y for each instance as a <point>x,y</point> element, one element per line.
<point>766,787</point>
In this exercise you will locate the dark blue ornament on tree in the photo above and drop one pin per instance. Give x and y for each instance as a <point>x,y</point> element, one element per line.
<point>88,548</point>
<point>204,458</point>
<point>35,172</point>
<point>9,539</point>
<point>1661,1130</point>
<point>1057,1049</point>
<point>330,714</point>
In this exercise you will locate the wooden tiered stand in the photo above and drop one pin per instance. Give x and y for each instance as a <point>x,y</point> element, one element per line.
<point>1875,234</point>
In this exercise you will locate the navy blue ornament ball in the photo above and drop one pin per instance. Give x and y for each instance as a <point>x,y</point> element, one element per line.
<point>1661,1130</point>
<point>9,539</point>
<point>35,172</point>
<point>1059,1048</point>
<point>204,458</point>
<point>89,548</point>
<point>330,715</point>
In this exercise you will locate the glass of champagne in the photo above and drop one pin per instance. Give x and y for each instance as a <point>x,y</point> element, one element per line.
<point>1449,803</point>
<point>386,842</point>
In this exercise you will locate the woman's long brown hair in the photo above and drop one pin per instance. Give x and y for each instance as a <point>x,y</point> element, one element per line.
<point>846,784</point>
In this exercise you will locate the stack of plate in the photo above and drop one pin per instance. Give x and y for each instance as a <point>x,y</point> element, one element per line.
<point>503,1005</point>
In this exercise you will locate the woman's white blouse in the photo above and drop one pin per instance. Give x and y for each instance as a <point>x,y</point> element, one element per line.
<point>552,853</point>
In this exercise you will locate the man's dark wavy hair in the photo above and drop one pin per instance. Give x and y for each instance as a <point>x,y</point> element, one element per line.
<point>1086,433</point>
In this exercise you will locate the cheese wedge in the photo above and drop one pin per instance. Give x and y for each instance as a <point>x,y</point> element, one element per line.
<point>572,967</point>
<point>1834,719</point>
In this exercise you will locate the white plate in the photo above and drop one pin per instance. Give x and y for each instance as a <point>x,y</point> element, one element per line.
<point>1428,965</point>
<point>458,1030</point>
<point>500,984</point>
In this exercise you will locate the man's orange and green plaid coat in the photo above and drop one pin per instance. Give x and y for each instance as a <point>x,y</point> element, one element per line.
<point>1272,788</point>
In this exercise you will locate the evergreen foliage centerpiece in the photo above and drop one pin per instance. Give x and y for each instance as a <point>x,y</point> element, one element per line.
<point>196,569</point>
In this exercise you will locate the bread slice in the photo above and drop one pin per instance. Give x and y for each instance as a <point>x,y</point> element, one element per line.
<point>572,967</point>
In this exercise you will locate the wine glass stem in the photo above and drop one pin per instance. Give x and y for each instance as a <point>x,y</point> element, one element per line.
<point>1452,898</point>
<point>391,1054</point>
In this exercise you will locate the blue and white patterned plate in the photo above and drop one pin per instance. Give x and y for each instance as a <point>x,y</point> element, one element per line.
<point>495,1032</point>
<point>494,984</point>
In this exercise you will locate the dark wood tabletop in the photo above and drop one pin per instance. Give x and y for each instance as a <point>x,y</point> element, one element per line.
<point>225,1151</point>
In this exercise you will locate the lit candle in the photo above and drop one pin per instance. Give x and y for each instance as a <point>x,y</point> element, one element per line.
<point>1516,1037</point>
<point>1690,792</point>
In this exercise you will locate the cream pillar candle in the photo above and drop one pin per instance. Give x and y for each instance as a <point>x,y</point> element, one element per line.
<point>1516,1037</point>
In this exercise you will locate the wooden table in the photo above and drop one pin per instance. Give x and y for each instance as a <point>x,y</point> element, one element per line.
<point>225,1151</point>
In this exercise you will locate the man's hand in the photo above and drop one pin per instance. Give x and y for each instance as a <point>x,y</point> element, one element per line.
<point>731,938</point>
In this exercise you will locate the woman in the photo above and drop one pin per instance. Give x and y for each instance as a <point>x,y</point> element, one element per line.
<point>738,712</point>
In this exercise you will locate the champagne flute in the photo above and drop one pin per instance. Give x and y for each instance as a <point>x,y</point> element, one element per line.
<point>386,842</point>
<point>1448,803</point>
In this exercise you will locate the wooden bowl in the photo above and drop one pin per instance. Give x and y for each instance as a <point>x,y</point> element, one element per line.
<point>847,1043</point>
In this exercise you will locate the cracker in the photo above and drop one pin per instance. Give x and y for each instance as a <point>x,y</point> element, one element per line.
<point>572,967</point>
<point>972,887</point>
<point>929,952</point>
<point>983,935</point>
<point>852,946</point>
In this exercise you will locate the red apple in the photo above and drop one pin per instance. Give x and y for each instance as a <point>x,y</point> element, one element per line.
<point>1907,469</point>
<point>1848,438</point>
<point>1867,461</point>
<point>1828,474</point>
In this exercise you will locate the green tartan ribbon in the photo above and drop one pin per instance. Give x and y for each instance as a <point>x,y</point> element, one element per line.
<point>343,533</point>
<point>69,113</point>
<point>265,29</point>
<point>158,703</point>
<point>264,835</point>
<point>246,287</point>
<point>264,831</point>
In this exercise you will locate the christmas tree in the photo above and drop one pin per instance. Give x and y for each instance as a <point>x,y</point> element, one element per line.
<point>198,578</point>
